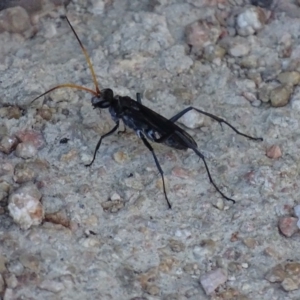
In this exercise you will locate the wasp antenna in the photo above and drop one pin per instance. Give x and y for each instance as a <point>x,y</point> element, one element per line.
<point>69,85</point>
<point>86,57</point>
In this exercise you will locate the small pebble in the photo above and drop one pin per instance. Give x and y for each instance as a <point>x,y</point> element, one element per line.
<point>210,281</point>
<point>15,20</point>
<point>264,93</point>
<point>2,284</point>
<point>90,242</point>
<point>289,284</point>
<point>280,96</point>
<point>26,150</point>
<point>245,265</point>
<point>11,280</point>
<point>32,136</point>
<point>274,152</point>
<point>112,206</point>
<point>220,204</point>
<point>288,226</point>
<point>10,112</point>
<point>192,119</point>
<point>115,196</point>
<point>251,243</point>
<point>152,289</point>
<point>213,52</point>
<point>249,62</point>
<point>176,246</point>
<point>45,113</point>
<point>297,211</point>
<point>24,173</point>
<point>59,217</point>
<point>239,49</point>
<point>120,157</point>
<point>250,21</point>
<point>52,286</point>
<point>249,96</point>
<point>291,78</point>
<point>256,103</point>
<point>4,190</point>
<point>8,144</point>
<point>201,34</point>
<point>25,207</point>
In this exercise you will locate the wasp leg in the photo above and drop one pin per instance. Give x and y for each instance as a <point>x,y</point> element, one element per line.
<point>205,164</point>
<point>99,142</point>
<point>139,98</point>
<point>220,120</point>
<point>147,144</point>
<point>122,131</point>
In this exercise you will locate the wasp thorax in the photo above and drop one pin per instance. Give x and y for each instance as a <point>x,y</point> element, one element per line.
<point>107,94</point>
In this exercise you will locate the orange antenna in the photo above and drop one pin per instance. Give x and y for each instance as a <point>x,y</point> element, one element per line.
<point>75,86</point>
<point>70,85</point>
<point>86,57</point>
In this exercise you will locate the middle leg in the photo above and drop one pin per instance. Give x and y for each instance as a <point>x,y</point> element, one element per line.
<point>147,144</point>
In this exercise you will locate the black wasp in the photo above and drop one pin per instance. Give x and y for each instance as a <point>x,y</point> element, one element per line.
<point>147,124</point>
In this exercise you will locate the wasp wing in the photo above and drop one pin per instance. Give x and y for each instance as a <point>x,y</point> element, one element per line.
<point>143,118</point>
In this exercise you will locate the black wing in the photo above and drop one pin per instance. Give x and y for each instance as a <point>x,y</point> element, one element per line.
<point>144,119</point>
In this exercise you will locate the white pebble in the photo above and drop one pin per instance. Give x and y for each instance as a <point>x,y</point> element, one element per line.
<point>192,119</point>
<point>298,223</point>
<point>211,280</point>
<point>297,210</point>
<point>26,150</point>
<point>25,206</point>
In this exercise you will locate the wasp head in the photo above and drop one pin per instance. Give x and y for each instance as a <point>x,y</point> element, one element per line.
<point>104,99</point>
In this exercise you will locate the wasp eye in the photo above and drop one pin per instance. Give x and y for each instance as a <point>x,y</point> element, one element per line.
<point>95,101</point>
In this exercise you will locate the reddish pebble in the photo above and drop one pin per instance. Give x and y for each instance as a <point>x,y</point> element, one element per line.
<point>288,226</point>
<point>274,152</point>
<point>179,172</point>
<point>200,34</point>
<point>35,137</point>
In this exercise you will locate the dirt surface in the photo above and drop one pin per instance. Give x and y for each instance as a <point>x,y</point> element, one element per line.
<point>105,232</point>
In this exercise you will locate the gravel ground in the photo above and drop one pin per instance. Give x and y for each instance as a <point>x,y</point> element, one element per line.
<point>105,232</point>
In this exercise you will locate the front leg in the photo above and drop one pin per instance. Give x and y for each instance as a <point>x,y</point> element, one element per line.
<point>99,142</point>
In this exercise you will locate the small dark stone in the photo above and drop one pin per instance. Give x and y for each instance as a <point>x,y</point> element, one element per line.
<point>262,3</point>
<point>64,141</point>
